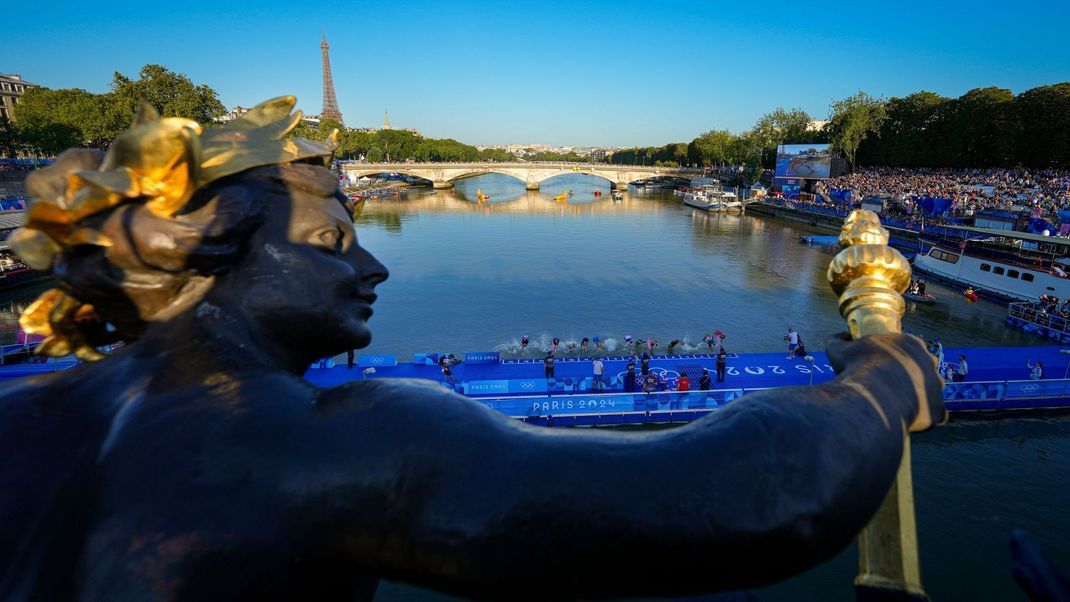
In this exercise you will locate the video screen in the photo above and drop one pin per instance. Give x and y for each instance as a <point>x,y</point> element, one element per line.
<point>811,161</point>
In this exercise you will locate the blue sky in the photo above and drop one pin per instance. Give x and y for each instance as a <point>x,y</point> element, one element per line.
<point>609,73</point>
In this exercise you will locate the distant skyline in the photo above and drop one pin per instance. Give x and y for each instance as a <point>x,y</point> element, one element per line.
<point>602,73</point>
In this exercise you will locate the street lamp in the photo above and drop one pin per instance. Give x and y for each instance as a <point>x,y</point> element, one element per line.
<point>810,359</point>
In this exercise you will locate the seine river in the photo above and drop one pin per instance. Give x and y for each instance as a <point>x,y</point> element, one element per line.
<point>470,276</point>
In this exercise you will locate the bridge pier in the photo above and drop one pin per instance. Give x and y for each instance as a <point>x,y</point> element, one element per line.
<point>441,184</point>
<point>531,185</point>
<point>620,186</point>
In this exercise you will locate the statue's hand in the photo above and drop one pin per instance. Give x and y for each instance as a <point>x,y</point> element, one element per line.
<point>878,356</point>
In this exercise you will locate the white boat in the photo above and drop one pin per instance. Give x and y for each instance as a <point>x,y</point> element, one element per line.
<point>1004,264</point>
<point>712,198</point>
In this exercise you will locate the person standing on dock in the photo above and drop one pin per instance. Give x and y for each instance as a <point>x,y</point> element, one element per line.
<point>1036,371</point>
<point>599,371</point>
<point>704,380</point>
<point>644,365</point>
<point>548,365</point>
<point>447,371</point>
<point>683,384</point>
<point>793,341</point>
<point>350,356</point>
<point>650,383</point>
<point>962,371</point>
<point>722,365</point>
<point>629,378</point>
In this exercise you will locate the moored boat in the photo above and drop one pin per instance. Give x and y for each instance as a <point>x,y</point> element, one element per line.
<point>1001,264</point>
<point>926,298</point>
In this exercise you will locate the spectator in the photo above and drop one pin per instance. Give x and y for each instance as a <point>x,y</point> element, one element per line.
<point>629,378</point>
<point>1036,371</point>
<point>704,380</point>
<point>683,384</point>
<point>599,371</point>
<point>793,342</point>
<point>962,371</point>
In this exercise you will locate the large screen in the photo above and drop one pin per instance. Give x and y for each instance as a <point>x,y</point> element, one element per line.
<point>803,161</point>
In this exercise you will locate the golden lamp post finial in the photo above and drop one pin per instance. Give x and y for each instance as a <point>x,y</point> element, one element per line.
<point>869,277</point>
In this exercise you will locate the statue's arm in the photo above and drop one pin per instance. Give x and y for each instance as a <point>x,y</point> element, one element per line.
<point>439,490</point>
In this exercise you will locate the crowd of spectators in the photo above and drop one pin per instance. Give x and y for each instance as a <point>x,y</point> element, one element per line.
<point>1043,192</point>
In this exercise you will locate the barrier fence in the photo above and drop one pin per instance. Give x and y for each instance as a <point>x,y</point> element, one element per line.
<point>959,397</point>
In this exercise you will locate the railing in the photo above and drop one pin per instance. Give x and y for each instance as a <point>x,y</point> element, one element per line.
<point>961,396</point>
<point>1033,313</point>
<point>609,166</point>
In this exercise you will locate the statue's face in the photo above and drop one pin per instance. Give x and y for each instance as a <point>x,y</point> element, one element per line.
<point>306,280</point>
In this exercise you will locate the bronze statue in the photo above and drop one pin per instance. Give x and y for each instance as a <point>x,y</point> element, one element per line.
<point>195,463</point>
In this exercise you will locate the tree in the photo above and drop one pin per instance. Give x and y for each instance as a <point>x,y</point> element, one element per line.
<point>55,120</point>
<point>1043,115</point>
<point>851,120</point>
<point>173,95</point>
<point>782,127</point>
<point>904,136</point>
<point>711,148</point>
<point>980,128</point>
<point>9,138</point>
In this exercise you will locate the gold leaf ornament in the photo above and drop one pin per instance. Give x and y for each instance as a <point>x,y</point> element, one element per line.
<point>160,162</point>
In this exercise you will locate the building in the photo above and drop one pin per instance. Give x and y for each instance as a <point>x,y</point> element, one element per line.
<point>11,88</point>
<point>235,113</point>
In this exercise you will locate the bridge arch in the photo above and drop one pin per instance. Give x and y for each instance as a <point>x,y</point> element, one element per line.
<point>573,173</point>
<point>453,179</point>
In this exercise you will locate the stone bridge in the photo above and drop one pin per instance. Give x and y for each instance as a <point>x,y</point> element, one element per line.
<point>443,175</point>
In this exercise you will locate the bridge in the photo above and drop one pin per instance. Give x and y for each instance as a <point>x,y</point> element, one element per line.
<point>443,175</point>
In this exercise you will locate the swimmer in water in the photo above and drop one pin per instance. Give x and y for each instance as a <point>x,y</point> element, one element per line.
<point>598,343</point>
<point>523,343</point>
<point>584,343</point>
<point>672,345</point>
<point>553,348</point>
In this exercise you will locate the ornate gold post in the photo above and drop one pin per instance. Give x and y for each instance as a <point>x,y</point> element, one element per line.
<point>869,276</point>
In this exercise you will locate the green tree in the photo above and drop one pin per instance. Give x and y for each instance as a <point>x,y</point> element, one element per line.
<point>853,119</point>
<point>1043,115</point>
<point>55,120</point>
<point>173,95</point>
<point>980,128</point>
<point>9,138</point>
<point>782,127</point>
<point>711,148</point>
<point>903,140</point>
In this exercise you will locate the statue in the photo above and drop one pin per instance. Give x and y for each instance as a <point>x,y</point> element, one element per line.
<point>194,463</point>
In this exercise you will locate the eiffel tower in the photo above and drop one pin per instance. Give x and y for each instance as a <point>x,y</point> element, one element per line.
<point>330,105</point>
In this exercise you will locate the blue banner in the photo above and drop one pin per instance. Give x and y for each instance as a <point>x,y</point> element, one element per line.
<point>376,361</point>
<point>483,357</point>
<point>611,403</point>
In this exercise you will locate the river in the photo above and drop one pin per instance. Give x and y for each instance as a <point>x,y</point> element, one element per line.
<point>470,276</point>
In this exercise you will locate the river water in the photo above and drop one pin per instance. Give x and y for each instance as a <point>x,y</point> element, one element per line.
<point>471,276</point>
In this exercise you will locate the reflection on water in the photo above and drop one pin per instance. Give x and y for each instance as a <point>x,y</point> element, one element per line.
<point>471,276</point>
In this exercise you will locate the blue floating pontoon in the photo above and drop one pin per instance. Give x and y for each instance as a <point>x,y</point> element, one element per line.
<point>998,380</point>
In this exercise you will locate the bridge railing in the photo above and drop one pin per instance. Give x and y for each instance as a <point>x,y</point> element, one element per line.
<point>524,164</point>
